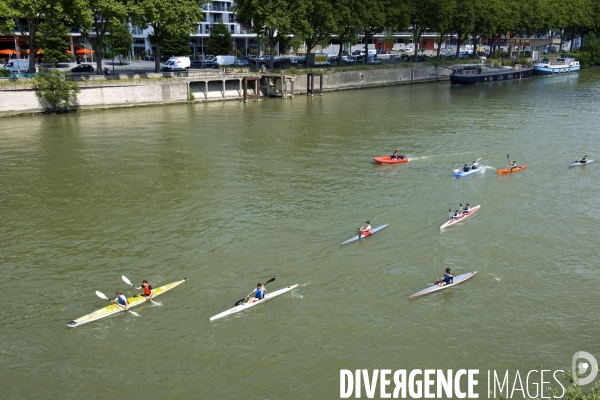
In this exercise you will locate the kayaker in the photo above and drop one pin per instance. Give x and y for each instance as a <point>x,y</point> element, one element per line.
<point>455,215</point>
<point>513,164</point>
<point>121,299</point>
<point>583,160</point>
<point>395,156</point>
<point>466,168</point>
<point>365,230</point>
<point>147,289</point>
<point>259,293</point>
<point>446,279</point>
<point>474,165</point>
<point>467,208</point>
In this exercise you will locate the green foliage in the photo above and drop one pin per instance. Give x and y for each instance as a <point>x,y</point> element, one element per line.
<point>191,96</point>
<point>57,42</point>
<point>167,18</point>
<point>585,58</point>
<point>4,73</point>
<point>55,90</point>
<point>591,46</point>
<point>177,44</point>
<point>120,39</point>
<point>219,41</point>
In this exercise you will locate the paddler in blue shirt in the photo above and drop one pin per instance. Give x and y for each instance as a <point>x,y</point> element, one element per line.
<point>474,165</point>
<point>446,279</point>
<point>455,214</point>
<point>466,168</point>
<point>121,299</point>
<point>259,293</point>
<point>466,209</point>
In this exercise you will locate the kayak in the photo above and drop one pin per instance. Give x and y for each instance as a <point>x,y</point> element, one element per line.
<point>114,308</point>
<point>457,279</point>
<point>362,235</point>
<point>388,160</point>
<point>246,306</point>
<point>576,164</point>
<point>455,220</point>
<point>470,172</point>
<point>507,170</point>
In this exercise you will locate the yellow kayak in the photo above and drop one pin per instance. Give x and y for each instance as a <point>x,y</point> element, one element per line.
<point>114,308</point>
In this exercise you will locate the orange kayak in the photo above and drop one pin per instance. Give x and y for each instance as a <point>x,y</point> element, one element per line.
<point>388,160</point>
<point>507,170</point>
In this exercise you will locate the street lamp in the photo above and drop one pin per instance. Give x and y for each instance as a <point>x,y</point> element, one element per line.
<point>194,44</point>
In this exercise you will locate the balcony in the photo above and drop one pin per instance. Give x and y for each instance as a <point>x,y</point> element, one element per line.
<point>210,7</point>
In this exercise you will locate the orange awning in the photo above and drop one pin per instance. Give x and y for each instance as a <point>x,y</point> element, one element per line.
<point>7,52</point>
<point>40,51</point>
<point>83,52</point>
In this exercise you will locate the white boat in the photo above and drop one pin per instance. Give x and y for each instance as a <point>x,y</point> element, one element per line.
<point>471,171</point>
<point>465,215</point>
<point>246,306</point>
<point>361,235</point>
<point>554,66</point>
<point>434,288</point>
<point>578,163</point>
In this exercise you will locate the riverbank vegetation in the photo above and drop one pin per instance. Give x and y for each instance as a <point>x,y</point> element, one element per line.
<point>311,22</point>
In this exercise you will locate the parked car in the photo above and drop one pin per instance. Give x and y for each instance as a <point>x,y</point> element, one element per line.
<point>374,60</point>
<point>350,60</point>
<point>83,68</point>
<point>242,62</point>
<point>333,58</point>
<point>177,64</point>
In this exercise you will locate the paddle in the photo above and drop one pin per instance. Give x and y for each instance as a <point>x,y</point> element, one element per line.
<point>102,296</point>
<point>127,281</point>
<point>240,301</point>
<point>507,156</point>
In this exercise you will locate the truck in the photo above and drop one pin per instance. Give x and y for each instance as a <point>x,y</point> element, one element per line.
<point>177,64</point>
<point>225,60</point>
<point>17,65</point>
<point>318,60</point>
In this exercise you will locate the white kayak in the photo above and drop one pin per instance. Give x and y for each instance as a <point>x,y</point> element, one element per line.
<point>576,164</point>
<point>457,279</point>
<point>455,220</point>
<point>246,306</point>
<point>362,235</point>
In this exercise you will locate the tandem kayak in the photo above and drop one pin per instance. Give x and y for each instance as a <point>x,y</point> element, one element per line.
<point>389,160</point>
<point>470,172</point>
<point>114,308</point>
<point>457,279</point>
<point>362,235</point>
<point>576,164</point>
<point>508,170</point>
<point>246,306</point>
<point>465,215</point>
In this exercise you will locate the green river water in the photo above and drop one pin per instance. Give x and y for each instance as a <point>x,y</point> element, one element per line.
<point>231,194</point>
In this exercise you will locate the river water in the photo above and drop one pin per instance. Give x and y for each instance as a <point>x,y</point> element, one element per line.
<point>231,194</point>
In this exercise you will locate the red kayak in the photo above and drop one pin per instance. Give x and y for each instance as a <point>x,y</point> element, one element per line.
<point>389,160</point>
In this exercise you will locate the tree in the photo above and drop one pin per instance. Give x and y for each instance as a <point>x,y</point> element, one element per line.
<point>347,23</point>
<point>29,16</point>
<point>177,45</point>
<point>55,90</point>
<point>315,24</point>
<point>57,43</point>
<point>120,39</point>
<point>106,15</point>
<point>167,18</point>
<point>219,40</point>
<point>269,19</point>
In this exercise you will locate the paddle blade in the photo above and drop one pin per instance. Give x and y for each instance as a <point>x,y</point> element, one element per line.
<point>270,280</point>
<point>127,281</point>
<point>507,157</point>
<point>133,313</point>
<point>101,295</point>
<point>240,301</point>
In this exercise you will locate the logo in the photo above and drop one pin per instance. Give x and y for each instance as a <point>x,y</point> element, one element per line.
<point>579,369</point>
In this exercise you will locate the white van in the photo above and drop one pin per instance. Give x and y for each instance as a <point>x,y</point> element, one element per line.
<point>17,65</point>
<point>177,64</point>
<point>225,60</point>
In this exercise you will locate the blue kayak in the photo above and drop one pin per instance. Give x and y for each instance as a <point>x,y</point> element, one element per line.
<point>457,279</point>
<point>470,172</point>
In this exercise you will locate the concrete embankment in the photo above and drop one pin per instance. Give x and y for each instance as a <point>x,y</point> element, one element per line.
<point>128,90</point>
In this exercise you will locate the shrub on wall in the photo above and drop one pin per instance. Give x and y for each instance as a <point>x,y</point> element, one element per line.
<point>54,91</point>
